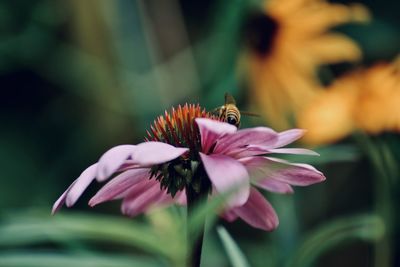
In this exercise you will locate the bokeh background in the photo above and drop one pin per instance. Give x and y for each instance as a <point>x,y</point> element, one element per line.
<point>78,77</point>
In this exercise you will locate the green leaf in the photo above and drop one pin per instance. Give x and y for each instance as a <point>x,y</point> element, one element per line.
<point>30,229</point>
<point>235,255</point>
<point>339,232</point>
<point>29,259</point>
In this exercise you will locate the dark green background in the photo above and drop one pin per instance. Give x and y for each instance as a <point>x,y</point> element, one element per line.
<point>79,78</point>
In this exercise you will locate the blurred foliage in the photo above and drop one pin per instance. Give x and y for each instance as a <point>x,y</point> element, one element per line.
<point>365,228</point>
<point>78,77</point>
<point>236,256</point>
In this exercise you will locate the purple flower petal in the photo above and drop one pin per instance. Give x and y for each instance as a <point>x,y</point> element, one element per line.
<point>259,135</point>
<point>144,197</point>
<point>211,130</point>
<point>140,187</point>
<point>119,185</point>
<point>261,168</point>
<point>258,212</point>
<point>80,185</point>
<point>294,151</point>
<point>226,174</point>
<point>152,153</point>
<point>274,185</point>
<point>112,160</point>
<point>248,151</point>
<point>289,136</point>
<point>127,165</point>
<point>302,165</point>
<point>61,200</point>
<point>229,215</point>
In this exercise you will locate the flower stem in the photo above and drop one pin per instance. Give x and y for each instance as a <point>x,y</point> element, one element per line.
<point>379,156</point>
<point>383,205</point>
<point>193,199</point>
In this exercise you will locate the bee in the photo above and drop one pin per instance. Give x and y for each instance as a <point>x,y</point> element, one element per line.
<point>229,112</point>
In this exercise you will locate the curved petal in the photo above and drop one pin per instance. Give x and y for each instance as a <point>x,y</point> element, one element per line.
<point>248,151</point>
<point>80,185</point>
<point>295,151</point>
<point>229,215</point>
<point>142,198</point>
<point>289,136</point>
<point>259,135</point>
<point>256,150</point>
<point>258,212</point>
<point>112,160</point>
<point>140,188</point>
<point>211,130</point>
<point>274,185</point>
<point>151,153</point>
<point>227,174</point>
<point>282,170</point>
<point>59,203</point>
<point>61,200</point>
<point>127,165</point>
<point>118,185</point>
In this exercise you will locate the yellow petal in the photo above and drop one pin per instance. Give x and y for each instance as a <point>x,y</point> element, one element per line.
<point>317,18</point>
<point>328,119</point>
<point>333,48</point>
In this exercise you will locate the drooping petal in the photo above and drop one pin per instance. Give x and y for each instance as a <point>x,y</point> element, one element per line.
<point>298,173</point>
<point>274,185</point>
<point>139,188</point>
<point>259,135</point>
<point>127,165</point>
<point>295,151</point>
<point>135,192</point>
<point>248,151</point>
<point>302,165</point>
<point>152,153</point>
<point>142,198</point>
<point>229,215</point>
<point>258,168</point>
<point>211,130</point>
<point>261,168</point>
<point>227,174</point>
<point>118,185</point>
<point>258,212</point>
<point>289,136</point>
<point>112,160</point>
<point>61,200</point>
<point>256,150</point>
<point>80,185</point>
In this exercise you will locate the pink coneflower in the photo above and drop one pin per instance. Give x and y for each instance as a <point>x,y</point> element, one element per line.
<point>190,152</point>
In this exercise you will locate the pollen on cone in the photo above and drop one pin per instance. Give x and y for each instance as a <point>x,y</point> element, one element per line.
<point>178,127</point>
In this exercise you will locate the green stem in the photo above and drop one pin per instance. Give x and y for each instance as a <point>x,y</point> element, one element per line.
<point>193,199</point>
<point>382,194</point>
<point>383,206</point>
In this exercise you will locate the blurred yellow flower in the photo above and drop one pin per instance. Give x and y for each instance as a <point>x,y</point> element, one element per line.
<point>368,100</point>
<point>288,42</point>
